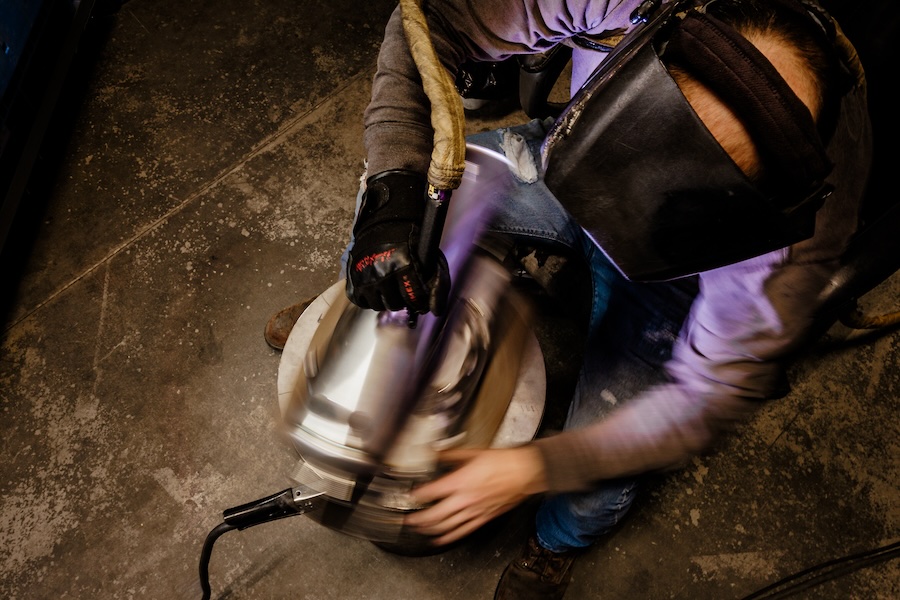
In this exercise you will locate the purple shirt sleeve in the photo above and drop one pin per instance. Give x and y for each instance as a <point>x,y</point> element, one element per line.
<point>720,371</point>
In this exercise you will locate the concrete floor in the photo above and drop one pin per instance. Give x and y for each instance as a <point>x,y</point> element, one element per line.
<point>209,182</point>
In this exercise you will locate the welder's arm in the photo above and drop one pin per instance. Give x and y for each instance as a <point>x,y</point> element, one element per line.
<point>658,431</point>
<point>720,376</point>
<point>398,133</point>
<point>748,320</point>
<point>386,265</point>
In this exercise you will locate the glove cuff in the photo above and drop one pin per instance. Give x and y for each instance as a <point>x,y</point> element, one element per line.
<point>392,196</point>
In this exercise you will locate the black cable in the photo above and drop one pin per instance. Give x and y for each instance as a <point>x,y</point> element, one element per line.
<point>826,571</point>
<point>286,503</point>
<point>217,531</point>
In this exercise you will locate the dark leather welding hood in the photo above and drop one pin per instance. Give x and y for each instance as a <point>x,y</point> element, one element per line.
<point>638,170</point>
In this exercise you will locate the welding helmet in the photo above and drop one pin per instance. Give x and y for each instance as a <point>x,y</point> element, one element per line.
<point>639,171</point>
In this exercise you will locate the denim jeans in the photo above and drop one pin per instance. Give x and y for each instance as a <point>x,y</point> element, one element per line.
<point>631,330</point>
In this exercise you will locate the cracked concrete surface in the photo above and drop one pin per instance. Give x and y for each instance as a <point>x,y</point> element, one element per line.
<point>210,181</point>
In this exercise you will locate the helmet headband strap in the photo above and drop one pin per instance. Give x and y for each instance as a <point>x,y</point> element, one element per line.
<point>779,123</point>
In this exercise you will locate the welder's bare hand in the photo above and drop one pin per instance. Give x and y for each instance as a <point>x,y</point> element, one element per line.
<point>384,271</point>
<point>486,484</point>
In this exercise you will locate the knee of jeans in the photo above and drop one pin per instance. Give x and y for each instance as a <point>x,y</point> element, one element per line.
<point>606,507</point>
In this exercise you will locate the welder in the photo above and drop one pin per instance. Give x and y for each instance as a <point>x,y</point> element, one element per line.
<point>708,172</point>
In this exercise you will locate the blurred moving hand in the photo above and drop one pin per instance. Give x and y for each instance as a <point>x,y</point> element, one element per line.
<point>486,484</point>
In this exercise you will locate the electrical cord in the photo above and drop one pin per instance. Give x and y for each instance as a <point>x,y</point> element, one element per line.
<point>824,572</point>
<point>286,503</point>
<point>207,553</point>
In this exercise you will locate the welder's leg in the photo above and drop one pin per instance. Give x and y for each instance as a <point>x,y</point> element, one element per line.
<point>631,333</point>
<point>571,521</point>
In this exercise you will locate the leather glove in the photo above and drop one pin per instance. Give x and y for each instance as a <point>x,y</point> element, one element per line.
<point>384,270</point>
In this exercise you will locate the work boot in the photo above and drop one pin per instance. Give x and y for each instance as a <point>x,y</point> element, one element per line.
<point>537,574</point>
<point>279,326</point>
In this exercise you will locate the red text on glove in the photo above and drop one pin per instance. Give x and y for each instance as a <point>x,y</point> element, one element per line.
<point>408,288</point>
<point>368,261</point>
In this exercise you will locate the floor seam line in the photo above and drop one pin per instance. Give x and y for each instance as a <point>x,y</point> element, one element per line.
<point>268,142</point>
